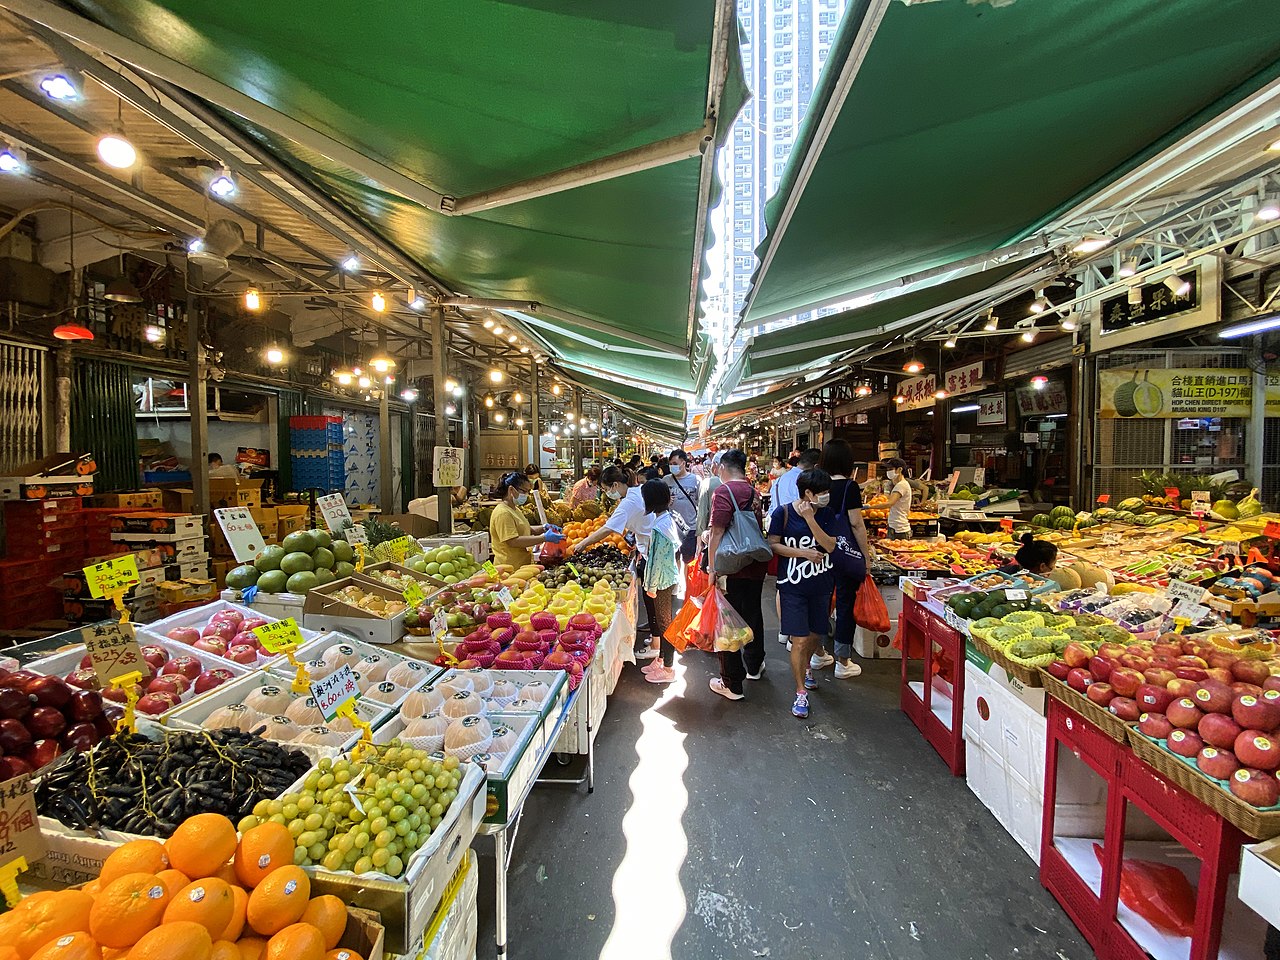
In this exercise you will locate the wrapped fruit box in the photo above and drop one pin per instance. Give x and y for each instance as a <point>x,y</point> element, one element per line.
<point>190,627</point>
<point>322,610</point>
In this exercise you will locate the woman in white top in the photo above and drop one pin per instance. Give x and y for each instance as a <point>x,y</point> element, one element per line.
<point>899,500</point>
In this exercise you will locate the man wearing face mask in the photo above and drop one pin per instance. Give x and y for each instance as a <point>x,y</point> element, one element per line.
<point>899,499</point>
<point>684,501</point>
<point>511,535</point>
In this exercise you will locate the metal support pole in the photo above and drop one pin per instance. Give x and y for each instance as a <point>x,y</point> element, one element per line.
<point>197,402</point>
<point>1257,435</point>
<point>62,402</point>
<point>577,433</point>
<point>468,437</point>
<point>444,496</point>
<point>387,492</point>
<point>535,418</point>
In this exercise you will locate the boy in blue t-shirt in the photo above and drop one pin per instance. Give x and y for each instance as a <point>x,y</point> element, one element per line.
<point>801,534</point>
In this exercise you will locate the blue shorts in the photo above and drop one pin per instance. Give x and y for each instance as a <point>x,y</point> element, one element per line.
<point>803,614</point>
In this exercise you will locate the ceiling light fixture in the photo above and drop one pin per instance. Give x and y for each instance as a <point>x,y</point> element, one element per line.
<point>1128,267</point>
<point>450,385</point>
<point>415,302</point>
<point>950,343</point>
<point>863,391</point>
<point>458,391</point>
<point>500,417</point>
<point>512,338</point>
<point>408,394</point>
<point>72,331</point>
<point>223,185</point>
<point>899,399</point>
<point>1039,381</point>
<point>555,428</point>
<point>497,330</point>
<point>517,397</point>
<point>364,383</point>
<point>966,408</point>
<point>275,355</point>
<point>382,363</point>
<point>62,86</point>
<point>153,333</point>
<point>1135,296</point>
<point>496,376</point>
<point>343,377</point>
<point>195,244</point>
<point>520,422</point>
<point>252,299</point>
<point>555,389</point>
<point>1177,285</point>
<point>524,349</point>
<point>13,160</point>
<point>450,409</point>
<point>488,402</point>
<point>1041,303</point>
<point>1068,324</point>
<point>122,290</point>
<point>992,322</point>
<point>1091,243</point>
<point>913,366</point>
<point>488,323</point>
<point>939,394</point>
<point>1029,336</point>
<point>115,150</point>
<point>1260,325</point>
<point>378,302</point>
<point>351,264</point>
<point>1269,209</point>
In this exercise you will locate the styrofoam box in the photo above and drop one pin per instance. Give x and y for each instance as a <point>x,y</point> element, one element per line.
<point>583,723</point>
<point>557,680</point>
<point>274,605</point>
<point>64,661</point>
<point>997,717</point>
<point>1260,879</point>
<point>529,736</point>
<point>312,650</point>
<point>476,544</point>
<point>455,937</point>
<point>199,616</point>
<point>192,716</point>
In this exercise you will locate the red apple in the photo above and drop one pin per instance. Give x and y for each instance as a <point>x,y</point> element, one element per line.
<point>14,737</point>
<point>1134,662</point>
<point>42,752</point>
<point>1079,679</point>
<point>1076,654</point>
<point>1058,669</point>
<point>1212,696</point>
<point>155,655</point>
<point>1219,764</point>
<point>1241,688</point>
<point>1168,663</point>
<point>85,705</point>
<point>1260,750</point>
<point>1250,671</point>
<point>1191,647</point>
<point>1188,660</point>
<point>1185,743</point>
<point>244,639</point>
<point>1153,698</point>
<point>1125,681</point>
<point>1221,658</point>
<point>1218,730</point>
<point>212,678</point>
<point>1184,713</point>
<point>19,679</point>
<point>82,736</point>
<point>1190,673</point>
<point>11,767</point>
<point>156,703</point>
<point>227,616</point>
<point>14,704</point>
<point>187,635</point>
<point>1180,687</point>
<point>189,667</point>
<point>1221,674</point>
<point>84,678</point>
<point>252,623</point>
<point>49,692</point>
<point>1155,725</point>
<point>1125,708</point>
<point>1160,676</point>
<point>243,654</point>
<point>174,683</point>
<point>1112,650</point>
<point>105,725</point>
<point>1100,693</point>
<point>1272,683</point>
<point>1100,667</point>
<point>1256,787</point>
<point>1256,713</point>
<point>45,722</point>
<point>1163,649</point>
<point>115,694</point>
<point>212,645</point>
<point>223,628</point>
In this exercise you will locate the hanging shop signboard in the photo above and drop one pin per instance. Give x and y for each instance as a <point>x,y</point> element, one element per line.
<point>963,379</point>
<point>447,466</point>
<point>1158,303</point>
<point>992,411</point>
<point>1051,398</point>
<point>1115,322</point>
<point>918,391</point>
<point>1181,394</point>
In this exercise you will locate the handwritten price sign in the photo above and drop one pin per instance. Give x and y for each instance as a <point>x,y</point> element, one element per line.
<point>113,650</point>
<point>505,598</point>
<point>439,624</point>
<point>20,834</point>
<point>490,570</point>
<point>337,517</point>
<point>279,636</point>
<point>112,577</point>
<point>335,690</point>
<point>241,531</point>
<point>414,594</point>
<point>399,547</point>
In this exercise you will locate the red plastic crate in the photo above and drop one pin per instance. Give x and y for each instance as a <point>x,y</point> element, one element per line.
<point>46,542</point>
<point>16,573</point>
<point>20,615</point>
<point>312,423</point>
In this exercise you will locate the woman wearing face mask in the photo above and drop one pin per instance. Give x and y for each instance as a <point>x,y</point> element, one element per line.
<point>511,535</point>
<point>586,489</point>
<point>802,537</point>
<point>899,500</point>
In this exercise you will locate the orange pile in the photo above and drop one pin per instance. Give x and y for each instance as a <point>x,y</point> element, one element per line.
<point>201,895</point>
<point>581,529</point>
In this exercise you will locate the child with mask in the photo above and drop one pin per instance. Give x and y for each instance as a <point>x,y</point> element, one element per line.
<point>899,500</point>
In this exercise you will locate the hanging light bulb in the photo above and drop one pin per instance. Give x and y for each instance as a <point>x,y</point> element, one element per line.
<point>458,391</point>
<point>1039,381</point>
<point>899,399</point>
<point>195,244</point>
<point>500,417</point>
<point>497,331</point>
<point>153,333</point>
<point>520,422</point>
<point>364,383</point>
<point>913,366</point>
<point>382,363</point>
<point>274,355</point>
<point>450,409</point>
<point>524,349</point>
<point>496,376</point>
<point>223,185</point>
<point>555,428</point>
<point>488,402</point>
<point>517,397</point>
<point>62,86</point>
<point>252,299</point>
<point>863,391</point>
<point>555,389</point>
<point>408,394</point>
<point>569,416</point>
<point>115,150</point>
<point>343,377</point>
<point>939,394</point>
<point>450,385</point>
<point>351,264</point>
<point>13,160</point>
<point>512,338</point>
<point>378,302</point>
<point>488,323</point>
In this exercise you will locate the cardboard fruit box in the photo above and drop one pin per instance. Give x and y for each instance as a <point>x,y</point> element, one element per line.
<point>321,610</point>
<point>160,527</point>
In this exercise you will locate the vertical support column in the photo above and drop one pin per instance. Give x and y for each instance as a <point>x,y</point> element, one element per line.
<point>1256,438</point>
<point>197,402</point>
<point>577,434</point>
<point>535,413</point>
<point>386,493</point>
<point>439,374</point>
<point>62,400</point>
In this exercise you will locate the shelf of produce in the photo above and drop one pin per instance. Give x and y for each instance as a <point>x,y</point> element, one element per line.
<point>934,700</point>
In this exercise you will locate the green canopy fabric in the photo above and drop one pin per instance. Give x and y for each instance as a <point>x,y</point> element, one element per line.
<point>968,126</point>
<point>816,344</point>
<point>655,411</point>
<point>608,354</point>
<point>469,97</point>
<point>729,412</point>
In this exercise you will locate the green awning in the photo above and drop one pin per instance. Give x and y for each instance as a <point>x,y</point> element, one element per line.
<point>654,411</point>
<point>465,98</point>
<point>817,344</point>
<point>609,355</point>
<point>968,126</point>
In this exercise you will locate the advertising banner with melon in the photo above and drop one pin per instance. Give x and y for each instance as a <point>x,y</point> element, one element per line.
<point>1127,393</point>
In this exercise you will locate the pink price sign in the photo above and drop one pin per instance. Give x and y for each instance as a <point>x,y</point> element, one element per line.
<point>333,691</point>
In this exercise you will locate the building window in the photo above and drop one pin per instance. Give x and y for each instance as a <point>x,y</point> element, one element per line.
<point>782,113</point>
<point>742,243</point>
<point>741,171</point>
<point>743,263</point>
<point>742,226</point>
<point>780,150</point>
<point>742,189</point>
<point>824,36</point>
<point>827,19</point>
<point>782,4</point>
<point>782,58</point>
<point>742,208</point>
<point>742,152</point>
<point>778,168</point>
<point>783,40</point>
<point>822,55</point>
<point>782,21</point>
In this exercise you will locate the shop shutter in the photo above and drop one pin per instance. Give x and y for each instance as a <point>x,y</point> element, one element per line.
<point>21,423</point>
<point>103,421</point>
<point>1038,359</point>
<point>288,404</point>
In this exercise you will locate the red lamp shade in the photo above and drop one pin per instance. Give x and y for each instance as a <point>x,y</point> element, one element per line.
<point>72,331</point>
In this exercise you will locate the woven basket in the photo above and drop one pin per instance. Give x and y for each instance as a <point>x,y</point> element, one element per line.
<point>1029,675</point>
<point>1103,719</point>
<point>1255,823</point>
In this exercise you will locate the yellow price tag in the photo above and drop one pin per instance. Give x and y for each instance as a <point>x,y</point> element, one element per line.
<point>414,594</point>
<point>9,879</point>
<point>279,636</point>
<point>490,569</point>
<point>359,557</point>
<point>399,547</point>
<point>112,578</point>
<point>1182,624</point>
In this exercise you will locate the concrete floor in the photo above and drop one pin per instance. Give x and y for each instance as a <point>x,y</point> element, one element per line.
<point>727,830</point>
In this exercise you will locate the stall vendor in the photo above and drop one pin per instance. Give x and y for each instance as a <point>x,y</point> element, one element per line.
<point>511,535</point>
<point>1034,556</point>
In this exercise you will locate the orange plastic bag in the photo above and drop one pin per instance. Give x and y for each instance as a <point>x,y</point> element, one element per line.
<point>679,632</point>
<point>696,582</point>
<point>869,610</point>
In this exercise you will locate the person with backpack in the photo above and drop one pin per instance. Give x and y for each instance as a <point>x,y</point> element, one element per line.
<point>802,536</point>
<point>735,514</point>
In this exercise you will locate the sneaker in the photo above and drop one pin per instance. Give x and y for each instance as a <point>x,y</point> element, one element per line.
<point>845,673</point>
<point>788,646</point>
<point>660,675</point>
<point>717,686</point>
<point>809,682</point>
<point>783,638</point>
<point>647,653</point>
<point>820,661</point>
<point>650,667</point>
<point>801,707</point>
<point>758,674</point>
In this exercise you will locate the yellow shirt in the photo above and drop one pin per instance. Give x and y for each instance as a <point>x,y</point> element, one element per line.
<point>506,524</point>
